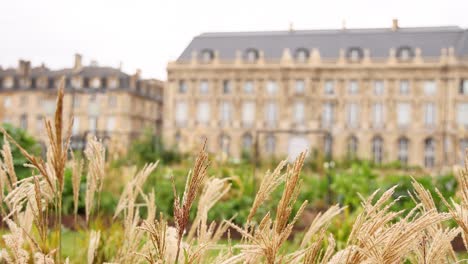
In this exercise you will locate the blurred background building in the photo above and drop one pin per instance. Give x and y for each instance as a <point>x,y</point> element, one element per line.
<point>104,101</point>
<point>384,94</point>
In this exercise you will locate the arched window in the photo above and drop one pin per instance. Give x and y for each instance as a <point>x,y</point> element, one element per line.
<point>207,55</point>
<point>404,53</point>
<point>355,54</point>
<point>247,142</point>
<point>328,146</point>
<point>302,55</point>
<point>177,137</point>
<point>429,153</point>
<point>251,55</point>
<point>377,150</point>
<point>224,143</point>
<point>270,144</point>
<point>403,148</point>
<point>352,147</point>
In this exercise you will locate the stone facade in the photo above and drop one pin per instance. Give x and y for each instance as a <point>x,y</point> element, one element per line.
<point>104,101</point>
<point>405,106</point>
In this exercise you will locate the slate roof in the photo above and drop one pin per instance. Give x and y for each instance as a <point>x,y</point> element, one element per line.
<point>379,41</point>
<point>86,71</point>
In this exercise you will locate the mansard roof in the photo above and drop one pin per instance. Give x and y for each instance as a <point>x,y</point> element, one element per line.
<point>379,41</point>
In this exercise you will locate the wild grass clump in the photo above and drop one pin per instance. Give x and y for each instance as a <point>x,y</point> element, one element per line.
<point>32,212</point>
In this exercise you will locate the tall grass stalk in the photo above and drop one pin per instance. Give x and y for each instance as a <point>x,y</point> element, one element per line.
<point>378,235</point>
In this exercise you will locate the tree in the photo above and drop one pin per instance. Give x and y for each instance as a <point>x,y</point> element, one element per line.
<point>149,148</point>
<point>27,142</point>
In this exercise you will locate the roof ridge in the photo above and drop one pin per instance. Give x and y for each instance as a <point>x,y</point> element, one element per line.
<point>449,28</point>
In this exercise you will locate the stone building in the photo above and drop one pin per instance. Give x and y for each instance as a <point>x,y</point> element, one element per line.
<point>104,101</point>
<point>383,94</point>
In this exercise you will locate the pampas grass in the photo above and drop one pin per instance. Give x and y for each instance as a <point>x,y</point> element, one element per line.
<point>379,235</point>
<point>94,238</point>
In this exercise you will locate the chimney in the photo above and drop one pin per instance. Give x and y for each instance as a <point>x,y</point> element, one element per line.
<point>24,67</point>
<point>291,27</point>
<point>395,25</point>
<point>78,65</point>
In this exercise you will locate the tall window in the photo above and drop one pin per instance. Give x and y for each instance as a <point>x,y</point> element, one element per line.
<point>247,142</point>
<point>404,87</point>
<point>111,122</point>
<point>76,126</point>
<point>327,115</point>
<point>7,101</point>
<point>226,87</point>
<point>23,100</point>
<point>224,144</point>
<point>271,87</point>
<point>403,114</point>
<point>403,146</point>
<point>353,115</point>
<point>379,87</point>
<point>204,88</point>
<point>203,112</point>
<point>39,123</point>
<point>92,123</point>
<point>225,112</point>
<point>353,87</point>
<point>271,114</point>
<point>112,101</point>
<point>377,115</point>
<point>430,87</point>
<point>328,146</point>
<point>270,144</point>
<point>177,137</point>
<point>377,150</point>
<point>248,87</point>
<point>352,147</point>
<point>429,153</point>
<point>299,87</point>
<point>182,86</point>
<point>462,114</point>
<point>463,87</point>
<point>24,121</point>
<point>299,112</point>
<point>181,113</point>
<point>329,87</point>
<point>429,114</point>
<point>463,149</point>
<point>248,114</point>
<point>76,101</point>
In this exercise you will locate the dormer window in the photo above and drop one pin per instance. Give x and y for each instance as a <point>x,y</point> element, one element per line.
<point>251,55</point>
<point>404,53</point>
<point>302,55</point>
<point>95,83</point>
<point>355,54</point>
<point>207,55</point>
<point>51,83</point>
<point>8,83</point>
<point>113,83</point>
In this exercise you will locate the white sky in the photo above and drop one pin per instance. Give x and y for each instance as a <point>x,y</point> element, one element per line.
<point>146,34</point>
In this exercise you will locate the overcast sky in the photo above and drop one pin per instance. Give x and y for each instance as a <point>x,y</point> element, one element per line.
<point>146,34</point>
